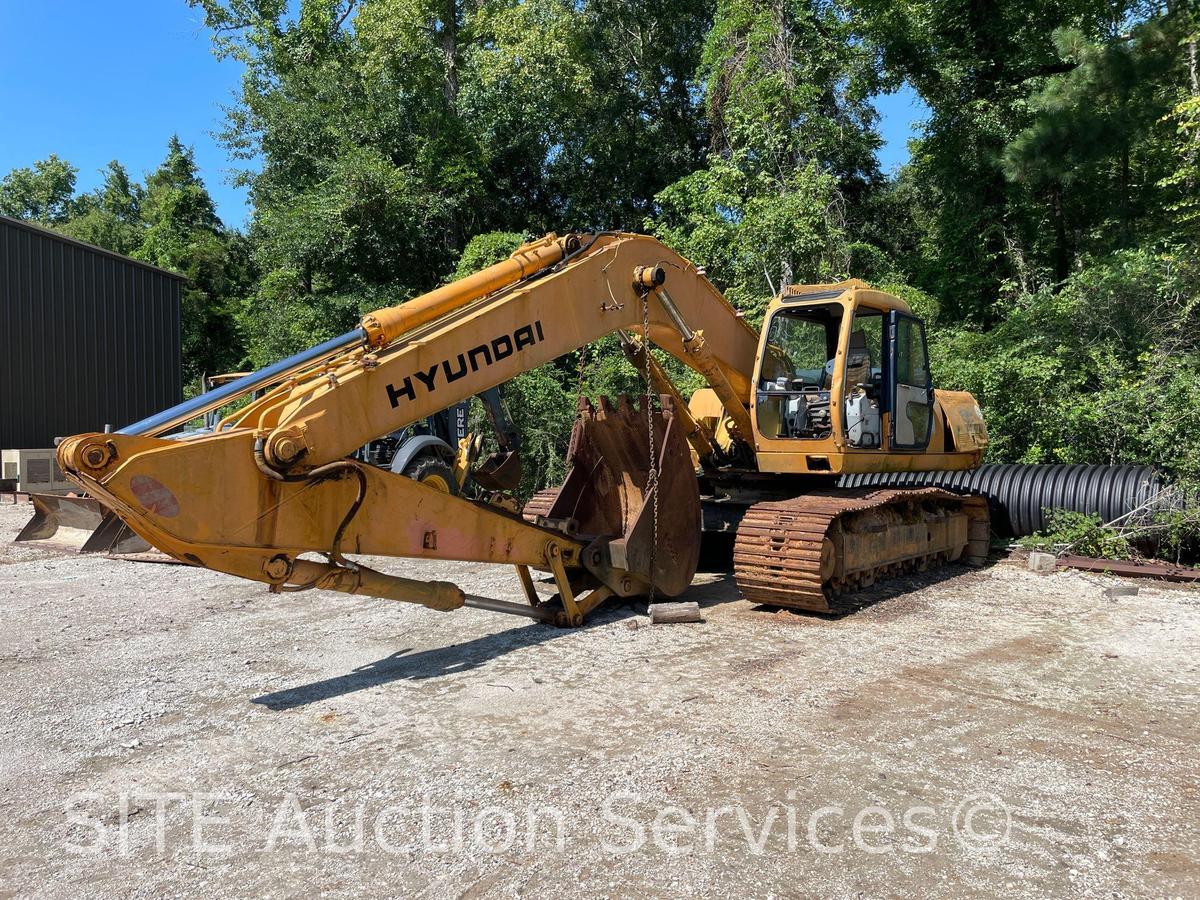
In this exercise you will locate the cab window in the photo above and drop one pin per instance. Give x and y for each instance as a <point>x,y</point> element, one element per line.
<point>796,351</point>
<point>912,389</point>
<point>911,367</point>
<point>793,383</point>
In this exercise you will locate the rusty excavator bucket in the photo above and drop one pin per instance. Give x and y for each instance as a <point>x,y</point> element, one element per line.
<point>82,524</point>
<point>610,495</point>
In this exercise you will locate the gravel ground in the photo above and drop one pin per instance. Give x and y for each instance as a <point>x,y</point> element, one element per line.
<point>172,731</point>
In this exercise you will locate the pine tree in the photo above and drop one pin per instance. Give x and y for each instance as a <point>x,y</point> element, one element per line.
<point>183,233</point>
<point>111,215</point>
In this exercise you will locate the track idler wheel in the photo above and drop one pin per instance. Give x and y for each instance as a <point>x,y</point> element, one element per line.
<point>608,496</point>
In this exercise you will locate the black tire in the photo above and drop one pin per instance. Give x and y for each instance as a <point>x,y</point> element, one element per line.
<point>431,469</point>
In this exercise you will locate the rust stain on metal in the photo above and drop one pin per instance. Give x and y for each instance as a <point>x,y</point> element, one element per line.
<point>1136,569</point>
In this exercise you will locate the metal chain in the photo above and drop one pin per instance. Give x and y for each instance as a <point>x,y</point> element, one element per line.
<point>652,475</point>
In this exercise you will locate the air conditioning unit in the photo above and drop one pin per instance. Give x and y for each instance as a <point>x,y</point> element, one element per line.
<point>32,471</point>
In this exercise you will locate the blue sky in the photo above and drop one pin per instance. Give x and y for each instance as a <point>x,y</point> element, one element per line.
<point>899,115</point>
<point>95,80</point>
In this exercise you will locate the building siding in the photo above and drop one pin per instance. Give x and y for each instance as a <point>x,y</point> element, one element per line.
<point>88,338</point>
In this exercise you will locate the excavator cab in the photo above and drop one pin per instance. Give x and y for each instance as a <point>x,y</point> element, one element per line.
<point>843,384</point>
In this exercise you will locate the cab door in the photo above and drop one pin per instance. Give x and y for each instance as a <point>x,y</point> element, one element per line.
<point>910,387</point>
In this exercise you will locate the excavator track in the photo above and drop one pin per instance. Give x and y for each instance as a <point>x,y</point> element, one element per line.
<point>812,551</point>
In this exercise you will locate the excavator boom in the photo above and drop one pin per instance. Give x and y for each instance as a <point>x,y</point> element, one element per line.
<point>460,343</point>
<point>272,482</point>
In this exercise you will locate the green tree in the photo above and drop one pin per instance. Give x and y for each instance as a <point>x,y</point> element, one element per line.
<point>43,194</point>
<point>635,121</point>
<point>111,215</point>
<point>1184,179</point>
<point>1097,149</point>
<point>183,233</point>
<point>391,132</point>
<point>791,155</point>
<point>976,65</point>
<point>361,175</point>
<point>1105,370</point>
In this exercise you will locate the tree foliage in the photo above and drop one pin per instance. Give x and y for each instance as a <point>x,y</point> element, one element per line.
<point>43,194</point>
<point>392,132</point>
<point>1029,103</point>
<point>182,233</point>
<point>1105,370</point>
<point>1046,225</point>
<point>110,217</point>
<point>792,145</point>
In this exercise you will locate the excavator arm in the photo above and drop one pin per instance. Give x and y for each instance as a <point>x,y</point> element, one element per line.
<point>272,485</point>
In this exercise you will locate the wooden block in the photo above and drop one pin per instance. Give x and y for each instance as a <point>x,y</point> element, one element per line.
<point>668,613</point>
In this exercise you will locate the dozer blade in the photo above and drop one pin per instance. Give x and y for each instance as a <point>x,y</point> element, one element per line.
<point>80,524</point>
<point>608,496</point>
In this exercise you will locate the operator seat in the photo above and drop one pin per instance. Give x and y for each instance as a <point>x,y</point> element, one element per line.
<point>858,361</point>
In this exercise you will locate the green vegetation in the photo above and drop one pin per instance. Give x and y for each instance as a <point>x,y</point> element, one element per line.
<point>1168,534</point>
<point>1047,224</point>
<point>1083,535</point>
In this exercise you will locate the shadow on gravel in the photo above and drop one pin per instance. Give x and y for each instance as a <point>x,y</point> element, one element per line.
<point>407,665</point>
<point>717,588</point>
<point>887,589</point>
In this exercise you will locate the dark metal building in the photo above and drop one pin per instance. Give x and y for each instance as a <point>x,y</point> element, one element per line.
<point>88,337</point>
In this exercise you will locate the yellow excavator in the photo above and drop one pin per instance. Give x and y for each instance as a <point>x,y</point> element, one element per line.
<point>836,382</point>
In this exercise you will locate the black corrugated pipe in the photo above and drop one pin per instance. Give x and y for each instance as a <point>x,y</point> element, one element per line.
<point>1020,495</point>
